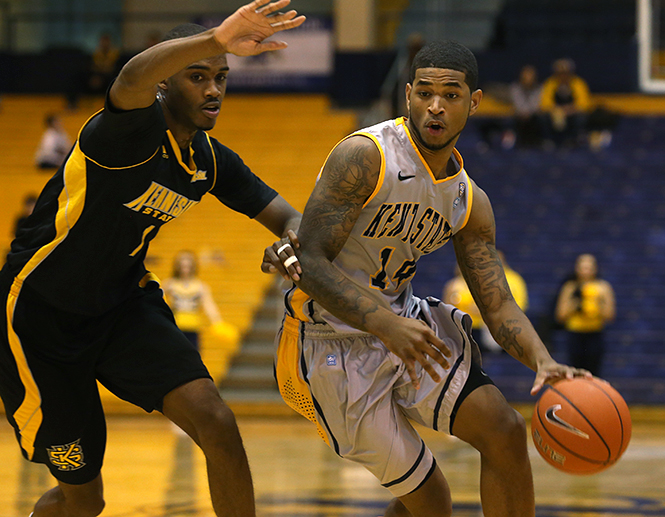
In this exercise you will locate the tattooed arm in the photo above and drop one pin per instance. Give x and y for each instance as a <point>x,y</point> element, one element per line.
<point>349,177</point>
<point>482,269</point>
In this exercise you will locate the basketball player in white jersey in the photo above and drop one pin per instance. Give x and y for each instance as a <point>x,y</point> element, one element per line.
<point>360,355</point>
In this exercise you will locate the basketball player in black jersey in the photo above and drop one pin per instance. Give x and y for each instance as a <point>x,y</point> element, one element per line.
<point>80,305</point>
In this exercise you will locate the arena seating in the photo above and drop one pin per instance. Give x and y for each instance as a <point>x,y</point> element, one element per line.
<point>552,206</point>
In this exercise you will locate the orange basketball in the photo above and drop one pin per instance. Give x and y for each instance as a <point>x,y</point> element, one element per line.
<point>581,426</point>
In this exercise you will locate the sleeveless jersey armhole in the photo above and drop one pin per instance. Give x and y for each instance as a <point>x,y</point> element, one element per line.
<point>469,203</point>
<point>382,169</point>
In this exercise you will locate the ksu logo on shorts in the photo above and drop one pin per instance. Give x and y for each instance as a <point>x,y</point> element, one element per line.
<point>67,457</point>
<point>331,360</point>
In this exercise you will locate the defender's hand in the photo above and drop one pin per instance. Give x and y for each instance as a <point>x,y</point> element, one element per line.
<point>413,341</point>
<point>281,257</point>
<point>243,33</point>
<point>552,371</point>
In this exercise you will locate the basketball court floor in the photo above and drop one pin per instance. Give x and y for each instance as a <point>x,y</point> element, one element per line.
<point>153,471</point>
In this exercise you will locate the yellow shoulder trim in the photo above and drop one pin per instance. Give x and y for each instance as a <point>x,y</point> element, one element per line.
<point>120,168</point>
<point>469,201</point>
<point>214,162</point>
<point>78,140</point>
<point>382,170</point>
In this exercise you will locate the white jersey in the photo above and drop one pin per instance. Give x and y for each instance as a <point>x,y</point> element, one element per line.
<point>409,214</point>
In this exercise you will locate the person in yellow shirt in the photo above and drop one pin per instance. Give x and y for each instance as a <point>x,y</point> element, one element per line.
<point>103,67</point>
<point>585,305</point>
<point>457,293</point>
<point>565,100</point>
<point>192,304</point>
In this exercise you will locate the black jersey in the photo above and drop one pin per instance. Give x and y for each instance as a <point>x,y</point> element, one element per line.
<point>83,247</point>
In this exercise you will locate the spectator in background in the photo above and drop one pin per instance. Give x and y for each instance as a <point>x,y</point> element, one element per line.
<point>525,93</point>
<point>191,301</point>
<point>104,65</point>
<point>566,102</point>
<point>54,144</point>
<point>29,202</point>
<point>457,293</point>
<point>584,307</point>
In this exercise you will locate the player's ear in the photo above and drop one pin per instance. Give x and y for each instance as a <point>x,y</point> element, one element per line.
<point>162,90</point>
<point>407,93</point>
<point>476,97</point>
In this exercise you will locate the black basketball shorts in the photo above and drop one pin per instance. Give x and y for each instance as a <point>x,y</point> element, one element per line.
<point>50,361</point>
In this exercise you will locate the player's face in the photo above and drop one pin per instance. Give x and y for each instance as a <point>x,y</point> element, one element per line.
<point>439,103</point>
<point>194,95</point>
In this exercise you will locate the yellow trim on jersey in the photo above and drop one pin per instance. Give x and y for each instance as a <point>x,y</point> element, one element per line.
<point>292,387</point>
<point>469,202</point>
<point>28,416</point>
<point>382,169</point>
<point>458,156</point>
<point>120,168</point>
<point>191,168</point>
<point>145,234</point>
<point>99,164</point>
<point>78,137</point>
<point>149,277</point>
<point>214,161</point>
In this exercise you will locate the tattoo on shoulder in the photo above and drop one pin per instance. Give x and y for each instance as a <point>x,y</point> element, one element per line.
<point>349,179</point>
<point>507,337</point>
<point>480,263</point>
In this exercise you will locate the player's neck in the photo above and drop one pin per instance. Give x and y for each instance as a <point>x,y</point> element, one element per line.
<point>183,135</point>
<point>439,161</point>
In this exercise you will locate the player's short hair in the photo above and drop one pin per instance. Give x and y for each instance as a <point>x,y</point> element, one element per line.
<point>447,54</point>
<point>184,30</point>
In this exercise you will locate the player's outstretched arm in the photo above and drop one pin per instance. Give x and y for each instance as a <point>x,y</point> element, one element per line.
<point>482,269</point>
<point>243,33</point>
<point>347,181</point>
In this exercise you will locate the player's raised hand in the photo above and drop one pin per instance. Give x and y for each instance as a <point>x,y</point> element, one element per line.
<point>243,33</point>
<point>413,341</point>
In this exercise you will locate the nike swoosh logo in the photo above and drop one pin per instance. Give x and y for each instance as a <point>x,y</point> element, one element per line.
<point>553,418</point>
<point>402,178</point>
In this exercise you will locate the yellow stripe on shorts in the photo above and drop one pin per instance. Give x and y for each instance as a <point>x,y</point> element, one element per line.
<point>293,388</point>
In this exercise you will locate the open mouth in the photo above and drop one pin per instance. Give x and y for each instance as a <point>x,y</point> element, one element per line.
<point>211,111</point>
<point>435,128</point>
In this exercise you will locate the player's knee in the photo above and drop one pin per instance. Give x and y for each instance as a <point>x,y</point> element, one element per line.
<point>508,434</point>
<point>219,428</point>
